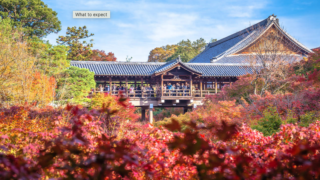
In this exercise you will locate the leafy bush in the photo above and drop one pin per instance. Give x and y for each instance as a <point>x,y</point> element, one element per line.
<point>270,123</point>
<point>307,119</point>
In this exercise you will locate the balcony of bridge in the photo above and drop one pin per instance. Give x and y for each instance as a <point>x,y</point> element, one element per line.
<point>163,98</point>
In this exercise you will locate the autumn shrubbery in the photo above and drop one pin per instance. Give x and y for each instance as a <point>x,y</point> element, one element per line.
<point>80,148</point>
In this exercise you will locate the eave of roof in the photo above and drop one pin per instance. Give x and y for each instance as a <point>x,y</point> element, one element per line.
<point>148,69</point>
<point>173,63</point>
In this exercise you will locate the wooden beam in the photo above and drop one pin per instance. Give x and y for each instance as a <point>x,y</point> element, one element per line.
<point>161,85</point>
<point>127,86</point>
<point>201,88</point>
<point>216,86</point>
<point>110,85</point>
<point>191,85</point>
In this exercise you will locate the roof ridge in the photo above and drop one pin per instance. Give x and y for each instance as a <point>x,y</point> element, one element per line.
<point>250,28</point>
<point>115,62</point>
<point>166,64</point>
<point>172,63</point>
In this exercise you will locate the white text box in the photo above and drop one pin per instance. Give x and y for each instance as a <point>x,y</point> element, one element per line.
<point>91,14</point>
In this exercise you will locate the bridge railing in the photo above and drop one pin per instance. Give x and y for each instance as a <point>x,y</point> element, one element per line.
<point>197,93</point>
<point>157,93</point>
<point>176,93</point>
<point>134,93</point>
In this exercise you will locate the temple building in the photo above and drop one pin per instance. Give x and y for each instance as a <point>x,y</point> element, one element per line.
<point>219,64</point>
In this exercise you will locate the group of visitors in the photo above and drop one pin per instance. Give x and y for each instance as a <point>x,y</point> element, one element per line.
<point>139,90</point>
<point>176,89</point>
<point>148,90</point>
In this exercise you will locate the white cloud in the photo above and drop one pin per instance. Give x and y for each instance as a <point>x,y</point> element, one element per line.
<point>171,25</point>
<point>245,9</point>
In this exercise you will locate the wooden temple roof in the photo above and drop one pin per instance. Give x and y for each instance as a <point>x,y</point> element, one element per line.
<point>221,50</point>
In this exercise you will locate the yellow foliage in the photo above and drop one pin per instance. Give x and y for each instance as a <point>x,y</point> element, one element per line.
<point>123,113</point>
<point>99,99</point>
<point>161,54</point>
<point>20,80</point>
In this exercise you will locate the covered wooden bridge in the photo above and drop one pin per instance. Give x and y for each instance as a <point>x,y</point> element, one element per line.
<point>148,84</point>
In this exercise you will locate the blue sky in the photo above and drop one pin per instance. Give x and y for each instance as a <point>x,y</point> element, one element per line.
<point>136,27</point>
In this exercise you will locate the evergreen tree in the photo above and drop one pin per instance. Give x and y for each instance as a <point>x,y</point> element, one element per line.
<point>36,18</point>
<point>76,83</point>
<point>78,50</point>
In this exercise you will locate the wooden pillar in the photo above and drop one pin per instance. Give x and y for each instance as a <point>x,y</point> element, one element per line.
<point>143,114</point>
<point>110,85</point>
<point>191,85</point>
<point>141,87</point>
<point>216,86</point>
<point>161,85</point>
<point>157,89</point>
<point>200,87</point>
<point>127,86</point>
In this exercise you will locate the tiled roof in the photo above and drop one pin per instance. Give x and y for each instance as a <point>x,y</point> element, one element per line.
<point>149,68</point>
<point>239,59</point>
<point>221,70</point>
<point>210,52</point>
<point>168,65</point>
<point>118,68</point>
<point>171,63</point>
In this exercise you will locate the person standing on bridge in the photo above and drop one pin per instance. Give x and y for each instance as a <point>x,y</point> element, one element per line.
<point>178,87</point>
<point>164,89</point>
<point>169,87</point>
<point>106,89</point>
<point>188,90</point>
<point>100,88</point>
<point>183,87</point>
<point>173,88</point>
<point>131,91</point>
